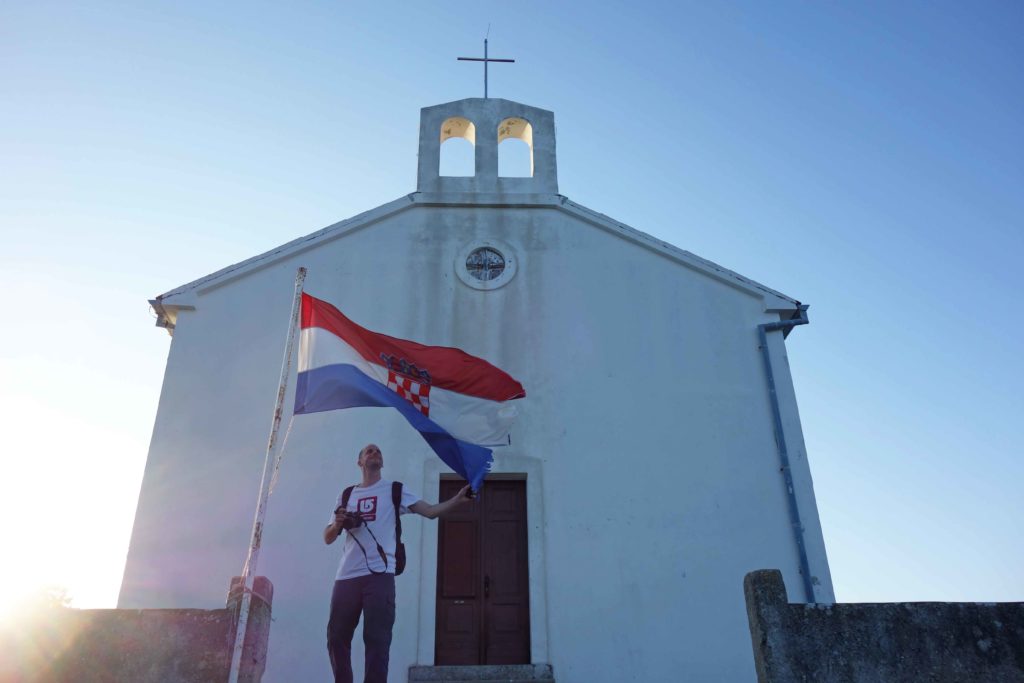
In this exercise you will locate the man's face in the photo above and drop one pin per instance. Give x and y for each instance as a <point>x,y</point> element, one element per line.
<point>371,458</point>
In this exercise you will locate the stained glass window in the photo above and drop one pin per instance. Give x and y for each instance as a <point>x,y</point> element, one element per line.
<point>485,263</point>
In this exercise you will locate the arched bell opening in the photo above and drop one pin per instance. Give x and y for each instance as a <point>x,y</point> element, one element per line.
<point>515,148</point>
<point>458,148</point>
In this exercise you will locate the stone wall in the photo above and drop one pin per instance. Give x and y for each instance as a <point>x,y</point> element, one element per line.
<point>61,645</point>
<point>938,642</point>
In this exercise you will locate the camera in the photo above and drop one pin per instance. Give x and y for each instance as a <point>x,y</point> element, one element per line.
<point>352,519</point>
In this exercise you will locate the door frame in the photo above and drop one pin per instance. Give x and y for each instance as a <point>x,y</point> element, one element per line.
<point>505,467</point>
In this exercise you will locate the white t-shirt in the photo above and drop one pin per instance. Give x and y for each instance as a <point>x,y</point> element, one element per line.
<point>374,503</point>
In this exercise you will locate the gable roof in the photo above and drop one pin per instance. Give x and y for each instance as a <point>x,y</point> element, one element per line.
<point>167,304</point>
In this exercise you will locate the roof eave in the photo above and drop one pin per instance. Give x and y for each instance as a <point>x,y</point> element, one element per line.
<point>774,301</point>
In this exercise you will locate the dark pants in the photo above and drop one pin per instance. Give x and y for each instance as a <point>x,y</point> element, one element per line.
<point>374,596</point>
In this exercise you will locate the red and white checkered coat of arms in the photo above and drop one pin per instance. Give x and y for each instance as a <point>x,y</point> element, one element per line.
<point>409,382</point>
<point>413,391</point>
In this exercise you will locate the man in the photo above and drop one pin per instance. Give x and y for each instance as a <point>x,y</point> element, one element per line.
<point>365,582</point>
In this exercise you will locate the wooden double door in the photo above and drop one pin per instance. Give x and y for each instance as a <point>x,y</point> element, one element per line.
<point>483,600</point>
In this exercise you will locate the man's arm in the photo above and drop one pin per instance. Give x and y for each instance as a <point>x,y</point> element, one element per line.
<point>333,530</point>
<point>422,507</point>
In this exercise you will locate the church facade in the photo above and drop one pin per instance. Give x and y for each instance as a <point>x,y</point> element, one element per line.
<point>656,459</point>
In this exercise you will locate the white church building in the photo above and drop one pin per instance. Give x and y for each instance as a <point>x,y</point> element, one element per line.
<point>656,459</point>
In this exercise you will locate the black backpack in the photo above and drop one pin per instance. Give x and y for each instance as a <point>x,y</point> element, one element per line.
<point>396,499</point>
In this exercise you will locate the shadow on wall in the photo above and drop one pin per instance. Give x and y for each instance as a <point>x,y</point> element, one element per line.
<point>63,645</point>
<point>895,642</point>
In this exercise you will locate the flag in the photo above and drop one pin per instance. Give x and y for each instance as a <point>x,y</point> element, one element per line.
<point>459,403</point>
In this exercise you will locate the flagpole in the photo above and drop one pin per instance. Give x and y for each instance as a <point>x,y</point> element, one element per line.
<point>261,502</point>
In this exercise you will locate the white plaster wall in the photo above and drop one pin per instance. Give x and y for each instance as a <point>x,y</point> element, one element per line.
<point>646,438</point>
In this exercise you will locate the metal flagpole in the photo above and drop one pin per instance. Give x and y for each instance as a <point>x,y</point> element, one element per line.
<point>261,503</point>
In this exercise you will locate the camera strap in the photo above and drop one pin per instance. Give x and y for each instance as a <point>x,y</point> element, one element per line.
<point>366,558</point>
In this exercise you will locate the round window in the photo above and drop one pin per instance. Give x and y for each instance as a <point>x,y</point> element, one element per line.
<point>485,263</point>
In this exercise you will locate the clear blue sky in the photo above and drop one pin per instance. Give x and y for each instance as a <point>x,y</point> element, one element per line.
<point>866,158</point>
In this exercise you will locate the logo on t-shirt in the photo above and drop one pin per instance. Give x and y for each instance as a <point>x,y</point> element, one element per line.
<point>368,508</point>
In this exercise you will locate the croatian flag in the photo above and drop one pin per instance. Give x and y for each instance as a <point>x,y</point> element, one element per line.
<point>457,402</point>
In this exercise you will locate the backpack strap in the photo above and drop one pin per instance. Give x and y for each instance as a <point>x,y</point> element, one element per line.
<point>345,495</point>
<point>396,498</point>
